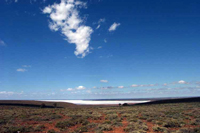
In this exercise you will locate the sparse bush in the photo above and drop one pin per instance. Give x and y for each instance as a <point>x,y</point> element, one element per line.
<point>125,104</point>
<point>104,127</point>
<point>15,129</point>
<point>55,105</point>
<point>172,123</point>
<point>81,129</point>
<point>39,128</point>
<point>159,129</point>
<point>51,131</point>
<point>42,105</point>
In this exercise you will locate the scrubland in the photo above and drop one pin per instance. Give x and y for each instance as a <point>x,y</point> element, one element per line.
<point>159,118</point>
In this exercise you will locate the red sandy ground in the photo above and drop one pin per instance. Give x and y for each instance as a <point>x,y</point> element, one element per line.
<point>49,126</point>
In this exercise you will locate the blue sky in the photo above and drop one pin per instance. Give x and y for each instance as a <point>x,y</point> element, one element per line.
<point>67,49</point>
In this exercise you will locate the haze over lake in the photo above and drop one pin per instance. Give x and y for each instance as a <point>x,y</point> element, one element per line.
<point>99,102</point>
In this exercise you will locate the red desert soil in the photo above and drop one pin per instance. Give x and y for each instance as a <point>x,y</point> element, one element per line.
<point>119,129</point>
<point>150,126</point>
<point>50,126</point>
<point>101,120</point>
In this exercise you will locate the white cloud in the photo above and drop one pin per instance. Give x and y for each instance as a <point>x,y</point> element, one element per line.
<point>47,9</point>
<point>69,89</point>
<point>89,91</point>
<point>114,26</point>
<point>98,26</point>
<point>10,93</point>
<point>26,65</point>
<point>99,47</point>
<point>16,0</point>
<point>182,82</point>
<point>105,40</point>
<point>102,20</point>
<point>165,84</point>
<point>80,88</point>
<point>104,81</point>
<point>134,85</point>
<point>7,92</point>
<point>121,87</point>
<point>21,70</point>
<point>2,43</point>
<point>65,17</point>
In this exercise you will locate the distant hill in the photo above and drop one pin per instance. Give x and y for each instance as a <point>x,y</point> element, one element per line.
<point>172,100</point>
<point>32,103</point>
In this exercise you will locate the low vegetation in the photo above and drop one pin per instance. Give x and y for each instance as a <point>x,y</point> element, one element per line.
<point>160,118</point>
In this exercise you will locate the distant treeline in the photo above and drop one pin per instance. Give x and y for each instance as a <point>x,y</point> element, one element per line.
<point>32,103</point>
<point>178,100</point>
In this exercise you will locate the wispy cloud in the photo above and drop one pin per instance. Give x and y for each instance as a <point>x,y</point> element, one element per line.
<point>10,93</point>
<point>114,26</point>
<point>104,81</point>
<point>105,40</point>
<point>121,87</point>
<point>102,20</point>
<point>70,89</point>
<point>98,26</point>
<point>65,17</point>
<point>27,66</point>
<point>21,70</point>
<point>134,85</point>
<point>2,43</point>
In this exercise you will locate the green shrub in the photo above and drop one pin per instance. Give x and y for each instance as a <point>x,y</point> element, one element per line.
<point>15,129</point>
<point>51,131</point>
<point>189,130</point>
<point>104,127</point>
<point>159,129</point>
<point>81,129</point>
<point>39,128</point>
<point>172,123</point>
<point>65,124</point>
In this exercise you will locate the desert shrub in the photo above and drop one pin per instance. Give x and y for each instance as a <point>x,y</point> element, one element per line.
<point>38,118</point>
<point>127,115</point>
<point>42,105</point>
<point>189,130</point>
<point>159,129</point>
<point>132,119</point>
<point>139,125</point>
<point>64,124</point>
<point>107,122</point>
<point>117,124</point>
<point>81,129</point>
<point>195,122</point>
<point>2,121</point>
<point>158,122</point>
<point>91,125</point>
<point>104,127</point>
<point>55,116</point>
<point>15,129</point>
<point>39,128</point>
<point>172,123</point>
<point>71,122</point>
<point>125,104</point>
<point>51,131</point>
<point>112,116</point>
<point>55,105</point>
